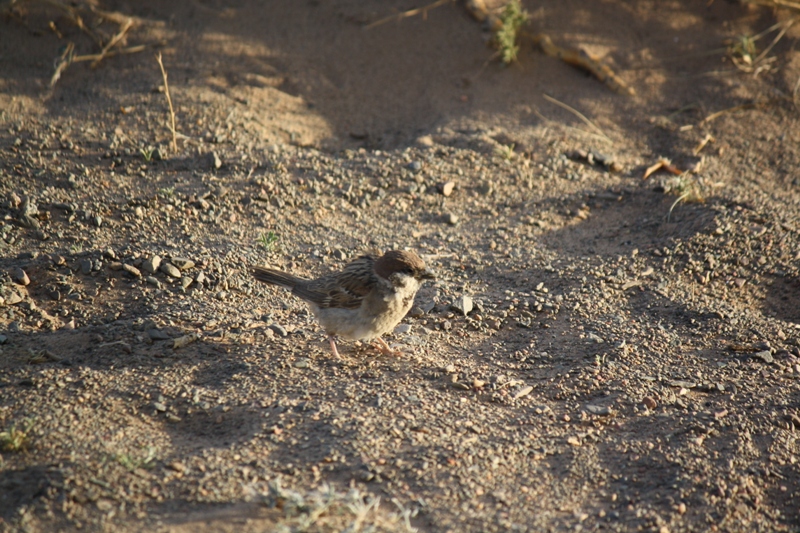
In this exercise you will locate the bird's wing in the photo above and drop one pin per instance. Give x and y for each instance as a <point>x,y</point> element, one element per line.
<point>343,290</point>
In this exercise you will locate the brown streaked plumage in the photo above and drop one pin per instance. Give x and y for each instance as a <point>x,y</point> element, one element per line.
<point>367,299</point>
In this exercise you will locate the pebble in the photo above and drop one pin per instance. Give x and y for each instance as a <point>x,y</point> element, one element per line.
<point>185,282</point>
<point>215,161</point>
<point>402,329</point>
<point>765,356</point>
<point>221,295</point>
<point>463,304</point>
<point>599,410</point>
<point>425,141</point>
<point>157,335</point>
<point>200,278</point>
<point>86,266</point>
<point>131,270</point>
<point>523,392</point>
<point>184,340</point>
<point>12,297</point>
<point>650,403</point>
<point>279,330</point>
<point>153,281</point>
<point>447,187</point>
<point>451,219</point>
<point>341,255</point>
<point>182,263</point>
<point>152,264</point>
<point>302,363</point>
<point>414,166</point>
<point>416,312</point>
<point>20,277</point>
<point>3,339</point>
<point>170,270</point>
<point>115,265</point>
<point>160,407</point>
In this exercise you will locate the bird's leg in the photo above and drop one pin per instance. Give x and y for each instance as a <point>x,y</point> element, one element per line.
<point>333,346</point>
<point>386,349</point>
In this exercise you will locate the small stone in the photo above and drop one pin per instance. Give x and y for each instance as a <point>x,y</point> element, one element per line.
<point>402,329</point>
<point>739,282</point>
<point>650,403</point>
<point>765,356</point>
<point>104,505</point>
<point>160,407</point>
<point>425,141</point>
<point>170,270</point>
<point>98,220</point>
<point>221,295</point>
<point>341,255</point>
<point>495,324</point>
<point>447,187</point>
<point>182,263</point>
<point>20,277</point>
<point>451,219</point>
<point>173,418</point>
<point>416,312</point>
<point>184,340</point>
<point>414,166</point>
<point>3,339</point>
<point>200,278</point>
<point>132,271</point>
<point>279,330</point>
<point>598,410</point>
<point>186,281</point>
<point>12,297</point>
<point>215,161</point>
<point>447,325</point>
<point>86,266</point>
<point>682,384</point>
<point>115,265</point>
<point>302,363</point>
<point>450,369</point>
<point>151,280</point>
<point>523,392</point>
<point>463,304</point>
<point>151,264</point>
<point>157,335</point>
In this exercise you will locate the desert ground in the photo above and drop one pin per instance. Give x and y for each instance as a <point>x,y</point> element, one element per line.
<point>601,351</point>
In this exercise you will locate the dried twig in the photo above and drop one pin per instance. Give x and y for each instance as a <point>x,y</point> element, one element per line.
<point>62,63</point>
<point>110,53</point>
<point>410,13</point>
<point>715,116</point>
<point>169,102</point>
<point>582,60</point>
<point>579,115</point>
<point>124,27</point>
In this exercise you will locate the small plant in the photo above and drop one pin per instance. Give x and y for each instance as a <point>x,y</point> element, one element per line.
<point>76,248</point>
<point>744,49</point>
<point>506,151</point>
<point>514,17</point>
<point>166,192</point>
<point>268,240</point>
<point>131,462</point>
<point>16,437</point>
<point>147,153</point>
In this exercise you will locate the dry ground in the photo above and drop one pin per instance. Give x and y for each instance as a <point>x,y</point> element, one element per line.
<point>631,363</point>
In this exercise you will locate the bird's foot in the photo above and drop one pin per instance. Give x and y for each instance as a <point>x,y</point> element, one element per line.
<point>385,349</point>
<point>333,347</point>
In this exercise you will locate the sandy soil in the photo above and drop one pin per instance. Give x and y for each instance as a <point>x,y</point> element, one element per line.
<point>632,358</point>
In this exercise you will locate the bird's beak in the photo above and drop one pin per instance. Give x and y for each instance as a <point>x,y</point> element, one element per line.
<point>427,274</point>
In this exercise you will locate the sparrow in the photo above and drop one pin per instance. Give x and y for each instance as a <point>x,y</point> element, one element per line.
<point>367,299</point>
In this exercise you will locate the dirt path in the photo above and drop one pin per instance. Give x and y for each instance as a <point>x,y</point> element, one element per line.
<point>631,362</point>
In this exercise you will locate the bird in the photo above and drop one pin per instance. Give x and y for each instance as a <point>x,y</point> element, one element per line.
<point>363,301</point>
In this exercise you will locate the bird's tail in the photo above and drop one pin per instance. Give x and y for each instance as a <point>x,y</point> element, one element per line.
<point>275,277</point>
